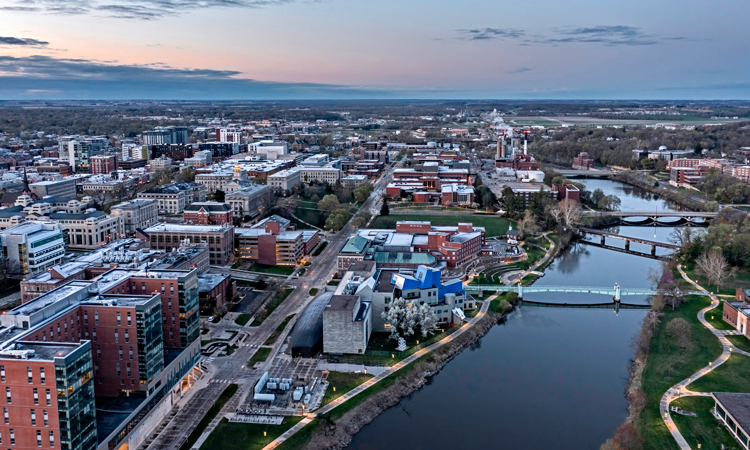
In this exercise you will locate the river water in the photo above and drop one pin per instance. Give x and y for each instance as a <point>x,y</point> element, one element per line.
<point>546,377</point>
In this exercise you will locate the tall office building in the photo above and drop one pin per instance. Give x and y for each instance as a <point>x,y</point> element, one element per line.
<point>77,150</point>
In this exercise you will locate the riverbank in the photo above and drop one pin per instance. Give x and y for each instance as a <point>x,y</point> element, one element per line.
<point>334,426</point>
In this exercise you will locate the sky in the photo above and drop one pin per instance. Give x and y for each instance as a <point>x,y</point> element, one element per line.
<point>384,49</point>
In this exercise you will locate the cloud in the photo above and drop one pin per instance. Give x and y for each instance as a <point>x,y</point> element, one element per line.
<point>129,9</point>
<point>59,78</point>
<point>609,35</point>
<point>520,70</point>
<point>486,34</point>
<point>26,42</point>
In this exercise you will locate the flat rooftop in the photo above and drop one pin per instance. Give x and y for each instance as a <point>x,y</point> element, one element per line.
<point>43,351</point>
<point>179,228</point>
<point>342,303</point>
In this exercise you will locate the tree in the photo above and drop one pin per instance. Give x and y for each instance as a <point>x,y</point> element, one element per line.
<point>406,317</point>
<point>162,176</point>
<point>610,203</point>
<point>597,195</point>
<point>219,196</point>
<point>385,210</point>
<point>716,268</point>
<point>362,192</point>
<point>329,203</point>
<point>679,330</point>
<point>338,219</point>
<point>567,212</point>
<point>186,176</point>
<point>527,224</point>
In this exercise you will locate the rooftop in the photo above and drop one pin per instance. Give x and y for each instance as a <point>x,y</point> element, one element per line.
<point>342,303</point>
<point>181,228</point>
<point>355,244</point>
<point>45,351</point>
<point>737,405</point>
<point>208,281</point>
<point>404,258</point>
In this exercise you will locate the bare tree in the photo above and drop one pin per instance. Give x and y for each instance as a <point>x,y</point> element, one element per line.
<point>715,267</point>
<point>527,224</point>
<point>566,212</point>
<point>679,330</point>
<point>682,236</point>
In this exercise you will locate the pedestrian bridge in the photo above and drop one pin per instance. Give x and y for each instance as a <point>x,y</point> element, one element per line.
<point>614,291</point>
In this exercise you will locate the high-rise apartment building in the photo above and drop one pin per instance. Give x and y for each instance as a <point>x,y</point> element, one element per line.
<point>78,150</point>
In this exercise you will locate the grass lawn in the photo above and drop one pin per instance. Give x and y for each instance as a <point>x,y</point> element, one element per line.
<point>334,282</point>
<point>498,305</point>
<point>667,364</point>
<point>242,319</point>
<point>259,356</point>
<point>271,306</point>
<point>343,382</point>
<point>313,291</point>
<point>212,412</point>
<point>246,436</point>
<point>741,279</point>
<point>704,429</point>
<point>494,225</point>
<point>277,332</point>
<point>714,317</point>
<point>279,270</point>
<point>741,342</point>
<point>534,254</point>
<point>728,377</point>
<point>320,247</point>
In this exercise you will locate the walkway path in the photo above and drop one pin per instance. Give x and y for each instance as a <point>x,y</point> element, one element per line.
<point>373,381</point>
<point>550,253</point>
<point>680,389</point>
<point>308,223</point>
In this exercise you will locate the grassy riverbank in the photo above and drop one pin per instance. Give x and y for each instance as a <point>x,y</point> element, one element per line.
<point>667,363</point>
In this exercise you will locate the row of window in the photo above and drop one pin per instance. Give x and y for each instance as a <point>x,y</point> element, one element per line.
<point>119,353</point>
<point>36,400</point>
<point>45,416</point>
<point>29,372</point>
<point>38,438</point>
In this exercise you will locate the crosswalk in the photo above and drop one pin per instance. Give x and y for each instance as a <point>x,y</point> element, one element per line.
<point>222,381</point>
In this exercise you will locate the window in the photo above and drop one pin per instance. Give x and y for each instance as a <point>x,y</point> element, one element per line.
<point>117,369</point>
<point>128,369</point>
<point>6,416</point>
<point>117,336</point>
<point>129,313</point>
<point>162,288</point>
<point>96,317</point>
<point>36,396</point>
<point>93,334</point>
<point>173,319</point>
<point>46,418</point>
<point>49,397</point>
<point>169,303</point>
<point>127,336</point>
<point>171,334</point>
<point>12,437</point>
<point>118,318</point>
<point>42,376</point>
<point>7,395</point>
<point>130,353</point>
<point>120,353</point>
<point>85,317</point>
<point>2,374</point>
<point>98,352</point>
<point>52,439</point>
<point>33,418</point>
<point>96,368</point>
<point>171,286</point>
<point>30,374</point>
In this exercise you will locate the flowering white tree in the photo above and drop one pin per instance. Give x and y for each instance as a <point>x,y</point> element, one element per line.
<point>406,317</point>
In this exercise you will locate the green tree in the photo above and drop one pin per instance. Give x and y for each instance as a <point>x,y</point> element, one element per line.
<point>329,203</point>
<point>362,192</point>
<point>385,210</point>
<point>337,219</point>
<point>186,176</point>
<point>219,196</point>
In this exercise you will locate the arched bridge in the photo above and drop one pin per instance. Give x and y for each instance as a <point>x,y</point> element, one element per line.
<point>603,235</point>
<point>653,216</point>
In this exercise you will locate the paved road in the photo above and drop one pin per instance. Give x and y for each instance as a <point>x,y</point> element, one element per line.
<point>233,367</point>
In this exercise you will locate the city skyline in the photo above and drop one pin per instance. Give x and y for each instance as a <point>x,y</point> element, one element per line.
<point>264,49</point>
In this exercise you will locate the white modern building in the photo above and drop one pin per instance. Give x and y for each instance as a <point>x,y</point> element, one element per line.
<point>32,247</point>
<point>268,149</point>
<point>328,175</point>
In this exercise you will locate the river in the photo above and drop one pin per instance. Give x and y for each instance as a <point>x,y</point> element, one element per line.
<point>546,377</point>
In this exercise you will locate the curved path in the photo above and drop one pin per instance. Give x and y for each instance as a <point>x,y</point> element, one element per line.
<point>680,389</point>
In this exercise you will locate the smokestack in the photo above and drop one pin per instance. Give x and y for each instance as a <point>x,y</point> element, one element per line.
<point>497,150</point>
<point>525,147</point>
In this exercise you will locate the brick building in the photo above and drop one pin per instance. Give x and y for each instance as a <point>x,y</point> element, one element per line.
<point>214,291</point>
<point>208,213</point>
<point>220,238</point>
<point>275,241</point>
<point>583,161</point>
<point>103,164</point>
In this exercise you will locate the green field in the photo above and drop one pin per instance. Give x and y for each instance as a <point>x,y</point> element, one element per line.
<point>246,436</point>
<point>271,306</point>
<point>714,317</point>
<point>259,356</point>
<point>493,225</point>
<point>704,429</point>
<point>278,270</point>
<point>343,382</point>
<point>728,377</point>
<point>277,332</point>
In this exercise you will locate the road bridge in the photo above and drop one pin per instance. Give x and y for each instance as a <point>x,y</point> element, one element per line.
<point>653,216</point>
<point>604,235</point>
